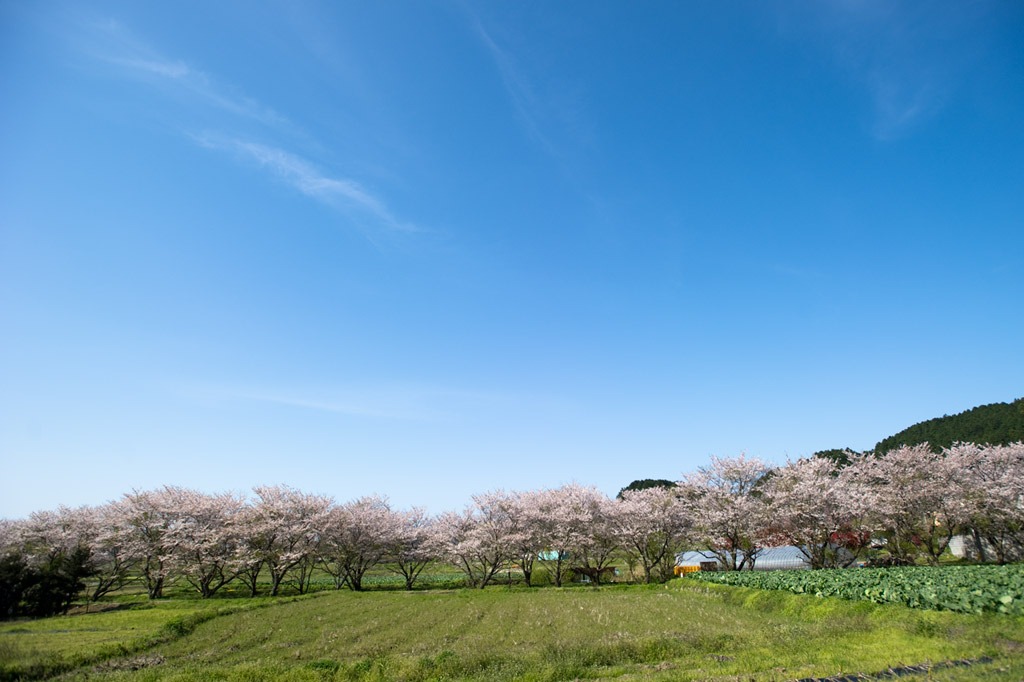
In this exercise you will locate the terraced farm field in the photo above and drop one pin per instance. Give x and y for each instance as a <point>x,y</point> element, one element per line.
<point>682,631</point>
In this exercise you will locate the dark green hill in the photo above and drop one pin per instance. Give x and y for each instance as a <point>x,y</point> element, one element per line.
<point>645,483</point>
<point>997,424</point>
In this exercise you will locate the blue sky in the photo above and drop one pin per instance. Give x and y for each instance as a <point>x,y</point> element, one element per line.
<point>430,249</point>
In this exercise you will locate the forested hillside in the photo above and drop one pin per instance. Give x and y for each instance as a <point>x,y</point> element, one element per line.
<point>998,423</point>
<point>645,483</point>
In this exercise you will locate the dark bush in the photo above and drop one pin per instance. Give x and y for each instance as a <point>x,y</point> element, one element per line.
<point>40,591</point>
<point>14,580</point>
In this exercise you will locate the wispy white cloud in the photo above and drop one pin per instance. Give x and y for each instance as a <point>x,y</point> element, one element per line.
<point>342,193</point>
<point>113,44</point>
<point>397,402</point>
<point>899,105</point>
<point>908,59</point>
<point>518,87</point>
<point>370,405</point>
<point>549,104</point>
<point>167,69</point>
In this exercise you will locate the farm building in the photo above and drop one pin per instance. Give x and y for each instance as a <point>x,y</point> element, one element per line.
<point>769,559</point>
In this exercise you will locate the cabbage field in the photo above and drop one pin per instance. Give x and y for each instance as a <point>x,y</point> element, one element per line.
<point>964,589</point>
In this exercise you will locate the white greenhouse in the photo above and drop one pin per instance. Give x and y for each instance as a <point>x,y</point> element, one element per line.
<point>769,559</point>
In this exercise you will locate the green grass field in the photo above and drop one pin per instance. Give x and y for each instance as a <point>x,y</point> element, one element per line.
<point>681,631</point>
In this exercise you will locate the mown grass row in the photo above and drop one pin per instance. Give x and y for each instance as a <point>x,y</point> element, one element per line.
<point>964,589</point>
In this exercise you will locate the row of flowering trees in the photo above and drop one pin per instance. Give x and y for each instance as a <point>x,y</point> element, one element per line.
<point>283,535</point>
<point>911,502</point>
<point>911,499</point>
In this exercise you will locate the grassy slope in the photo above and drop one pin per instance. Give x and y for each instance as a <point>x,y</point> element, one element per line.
<point>50,645</point>
<point>682,631</point>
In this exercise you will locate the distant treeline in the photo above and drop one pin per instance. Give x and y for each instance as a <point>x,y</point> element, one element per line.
<point>995,424</point>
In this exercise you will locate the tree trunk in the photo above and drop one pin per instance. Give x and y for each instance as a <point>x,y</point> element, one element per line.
<point>979,544</point>
<point>275,582</point>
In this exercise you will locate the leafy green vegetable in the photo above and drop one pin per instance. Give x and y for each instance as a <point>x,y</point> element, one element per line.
<point>966,589</point>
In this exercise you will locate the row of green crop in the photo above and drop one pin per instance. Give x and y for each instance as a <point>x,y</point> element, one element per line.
<point>966,589</point>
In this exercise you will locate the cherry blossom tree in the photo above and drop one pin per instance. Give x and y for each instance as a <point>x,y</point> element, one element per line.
<point>204,540</point>
<point>576,530</point>
<point>411,548</point>
<point>105,531</point>
<point>285,529</point>
<point>480,540</point>
<point>251,543</point>
<point>820,509</point>
<point>46,536</point>
<point>728,508</point>
<point>10,535</point>
<point>993,480</point>
<point>357,537</point>
<point>651,524</point>
<point>560,524</point>
<point>557,527</point>
<point>593,556</point>
<point>148,516</point>
<point>526,530</point>
<point>917,496</point>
